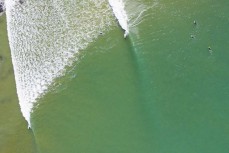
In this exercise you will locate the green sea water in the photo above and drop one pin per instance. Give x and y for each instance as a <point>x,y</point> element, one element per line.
<point>157,91</point>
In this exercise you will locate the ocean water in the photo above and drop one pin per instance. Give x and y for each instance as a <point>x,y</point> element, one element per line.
<point>159,90</point>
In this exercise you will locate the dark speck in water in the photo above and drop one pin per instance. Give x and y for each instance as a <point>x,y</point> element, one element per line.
<point>192,36</point>
<point>21,1</point>
<point>1,58</point>
<point>194,22</point>
<point>1,7</point>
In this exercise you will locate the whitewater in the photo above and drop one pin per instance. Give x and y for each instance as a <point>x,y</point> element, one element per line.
<point>45,37</point>
<point>118,7</point>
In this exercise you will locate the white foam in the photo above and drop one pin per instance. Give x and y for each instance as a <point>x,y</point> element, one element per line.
<point>45,37</point>
<point>120,13</point>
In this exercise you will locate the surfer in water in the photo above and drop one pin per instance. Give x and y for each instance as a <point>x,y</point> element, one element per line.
<point>126,34</point>
<point>192,36</point>
<point>1,7</point>
<point>21,1</point>
<point>194,22</point>
<point>210,50</point>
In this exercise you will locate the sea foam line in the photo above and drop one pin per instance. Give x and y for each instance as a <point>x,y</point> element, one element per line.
<point>118,7</point>
<point>45,37</point>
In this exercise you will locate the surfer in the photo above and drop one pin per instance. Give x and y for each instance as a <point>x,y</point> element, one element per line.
<point>210,50</point>
<point>1,7</point>
<point>192,36</point>
<point>194,22</point>
<point>21,1</point>
<point>126,34</point>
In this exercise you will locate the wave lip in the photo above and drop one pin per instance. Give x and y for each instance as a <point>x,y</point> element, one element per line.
<point>120,13</point>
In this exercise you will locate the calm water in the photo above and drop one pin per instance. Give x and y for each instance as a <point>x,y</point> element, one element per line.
<point>158,91</point>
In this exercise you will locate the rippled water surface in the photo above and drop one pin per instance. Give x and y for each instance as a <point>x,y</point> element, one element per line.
<point>162,89</point>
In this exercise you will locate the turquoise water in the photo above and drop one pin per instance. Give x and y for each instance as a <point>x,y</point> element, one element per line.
<point>158,91</point>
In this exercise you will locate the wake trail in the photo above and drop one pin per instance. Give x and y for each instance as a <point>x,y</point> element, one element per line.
<point>135,13</point>
<point>128,17</point>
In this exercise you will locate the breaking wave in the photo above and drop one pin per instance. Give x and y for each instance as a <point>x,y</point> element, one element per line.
<point>45,37</point>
